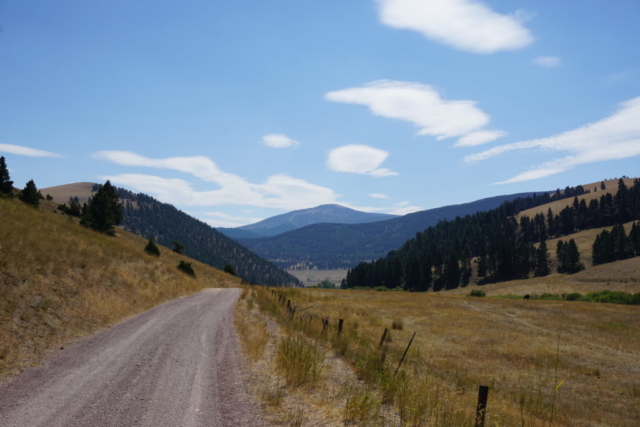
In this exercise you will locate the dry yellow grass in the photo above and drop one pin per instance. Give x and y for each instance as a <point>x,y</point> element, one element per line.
<point>60,281</point>
<point>521,349</point>
<point>611,187</point>
<point>251,329</point>
<point>61,193</point>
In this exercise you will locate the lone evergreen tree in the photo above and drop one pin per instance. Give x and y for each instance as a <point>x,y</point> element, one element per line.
<point>6,185</point>
<point>30,194</point>
<point>152,248</point>
<point>103,211</point>
<point>229,269</point>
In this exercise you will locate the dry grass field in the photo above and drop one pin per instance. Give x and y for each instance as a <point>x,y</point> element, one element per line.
<point>611,187</point>
<point>546,362</point>
<point>60,281</point>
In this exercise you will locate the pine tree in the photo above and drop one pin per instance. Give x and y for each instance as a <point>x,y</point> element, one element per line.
<point>6,185</point>
<point>152,248</point>
<point>30,194</point>
<point>542,260</point>
<point>568,257</point>
<point>103,211</point>
<point>634,238</point>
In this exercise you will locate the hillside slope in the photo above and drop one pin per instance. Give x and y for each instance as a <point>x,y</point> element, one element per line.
<point>278,224</point>
<point>329,246</point>
<point>60,281</point>
<point>148,217</point>
<point>499,245</point>
<point>611,187</point>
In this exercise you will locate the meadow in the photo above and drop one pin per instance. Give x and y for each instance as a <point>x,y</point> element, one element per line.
<point>545,362</point>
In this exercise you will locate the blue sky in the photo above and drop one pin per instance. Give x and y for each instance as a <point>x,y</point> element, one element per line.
<point>235,111</point>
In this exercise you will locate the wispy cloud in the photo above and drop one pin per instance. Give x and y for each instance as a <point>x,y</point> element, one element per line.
<point>622,76</point>
<point>547,61</point>
<point>221,219</point>
<point>421,105</point>
<point>467,25</point>
<point>278,140</point>
<point>278,191</point>
<point>378,196</point>
<point>480,137</point>
<point>360,159</point>
<point>612,138</point>
<point>403,208</point>
<point>20,150</point>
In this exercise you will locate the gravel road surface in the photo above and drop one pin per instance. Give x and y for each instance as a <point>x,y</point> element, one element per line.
<point>174,365</point>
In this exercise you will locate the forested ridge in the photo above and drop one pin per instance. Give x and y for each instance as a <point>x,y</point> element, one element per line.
<point>149,218</point>
<point>329,246</point>
<point>501,247</point>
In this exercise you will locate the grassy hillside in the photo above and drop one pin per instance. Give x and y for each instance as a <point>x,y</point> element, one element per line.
<point>148,217</point>
<point>611,186</point>
<point>62,193</point>
<point>60,281</point>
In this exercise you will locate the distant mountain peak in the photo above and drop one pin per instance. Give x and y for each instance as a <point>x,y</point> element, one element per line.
<point>328,213</point>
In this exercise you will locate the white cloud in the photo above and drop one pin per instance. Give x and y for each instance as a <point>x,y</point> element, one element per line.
<point>360,159</point>
<point>479,137</point>
<point>378,196</point>
<point>467,25</point>
<point>278,191</point>
<point>547,61</point>
<point>222,219</point>
<point>612,138</point>
<point>417,103</point>
<point>19,150</point>
<point>278,140</point>
<point>404,208</point>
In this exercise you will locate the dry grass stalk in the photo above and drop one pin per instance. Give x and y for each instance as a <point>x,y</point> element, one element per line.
<point>298,360</point>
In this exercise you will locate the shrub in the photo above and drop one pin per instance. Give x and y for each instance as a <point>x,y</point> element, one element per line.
<point>152,248</point>
<point>187,268</point>
<point>575,296</point>
<point>477,293</point>
<point>397,324</point>
<point>229,269</point>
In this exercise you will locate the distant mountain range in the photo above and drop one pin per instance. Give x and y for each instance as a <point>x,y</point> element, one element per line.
<point>331,246</point>
<point>297,219</point>
<point>148,217</point>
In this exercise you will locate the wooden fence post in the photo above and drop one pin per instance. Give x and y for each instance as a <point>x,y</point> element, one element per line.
<point>405,353</point>
<point>384,335</point>
<point>340,324</point>
<point>481,410</point>
<point>325,325</point>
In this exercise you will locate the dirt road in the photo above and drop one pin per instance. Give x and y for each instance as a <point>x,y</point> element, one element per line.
<point>174,365</point>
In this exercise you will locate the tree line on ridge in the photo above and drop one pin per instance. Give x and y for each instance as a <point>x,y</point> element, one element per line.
<point>501,246</point>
